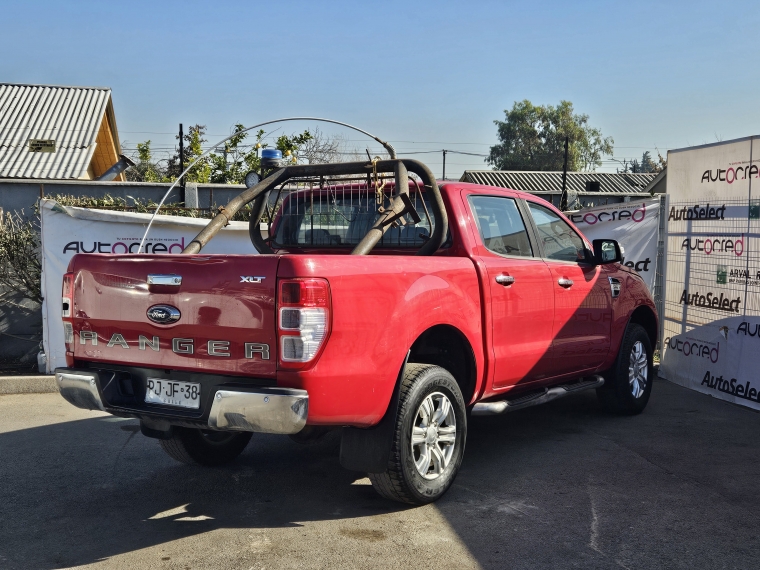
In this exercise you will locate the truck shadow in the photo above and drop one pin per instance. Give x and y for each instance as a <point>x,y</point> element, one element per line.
<point>82,491</point>
<point>568,485</point>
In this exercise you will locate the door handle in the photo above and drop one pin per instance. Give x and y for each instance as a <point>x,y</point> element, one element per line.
<point>565,282</point>
<point>505,280</point>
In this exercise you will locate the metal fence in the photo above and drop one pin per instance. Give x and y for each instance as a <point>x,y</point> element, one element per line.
<point>713,266</point>
<point>661,265</point>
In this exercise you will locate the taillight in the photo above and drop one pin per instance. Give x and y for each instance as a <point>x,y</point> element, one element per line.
<point>303,319</point>
<point>67,307</point>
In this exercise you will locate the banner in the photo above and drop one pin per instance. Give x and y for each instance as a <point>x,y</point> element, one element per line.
<point>712,293</point>
<point>634,225</point>
<point>67,231</point>
<point>720,358</point>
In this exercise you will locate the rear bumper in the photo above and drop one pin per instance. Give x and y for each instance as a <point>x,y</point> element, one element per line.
<point>257,409</point>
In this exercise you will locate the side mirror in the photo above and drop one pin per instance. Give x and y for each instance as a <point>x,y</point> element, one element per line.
<point>607,251</point>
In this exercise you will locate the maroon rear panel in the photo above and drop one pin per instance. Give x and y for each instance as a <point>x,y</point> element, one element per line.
<point>226,302</point>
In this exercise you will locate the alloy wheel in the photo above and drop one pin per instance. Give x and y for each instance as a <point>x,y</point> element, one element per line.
<point>638,369</point>
<point>434,435</point>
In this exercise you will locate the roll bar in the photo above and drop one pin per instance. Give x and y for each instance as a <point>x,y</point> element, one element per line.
<point>400,205</point>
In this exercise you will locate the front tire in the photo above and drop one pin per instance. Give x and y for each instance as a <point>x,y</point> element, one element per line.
<point>628,384</point>
<point>204,447</point>
<point>428,439</point>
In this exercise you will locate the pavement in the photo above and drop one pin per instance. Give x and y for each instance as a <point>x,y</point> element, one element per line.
<point>42,384</point>
<point>563,485</point>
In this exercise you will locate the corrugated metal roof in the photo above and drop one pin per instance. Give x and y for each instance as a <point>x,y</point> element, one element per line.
<point>70,115</point>
<point>609,182</point>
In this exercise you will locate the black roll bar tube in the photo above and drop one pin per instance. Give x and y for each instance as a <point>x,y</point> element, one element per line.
<point>258,194</point>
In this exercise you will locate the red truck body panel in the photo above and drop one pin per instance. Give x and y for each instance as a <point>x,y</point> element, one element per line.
<point>381,304</point>
<point>111,296</point>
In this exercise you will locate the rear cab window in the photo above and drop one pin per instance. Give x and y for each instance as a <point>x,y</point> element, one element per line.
<point>341,218</point>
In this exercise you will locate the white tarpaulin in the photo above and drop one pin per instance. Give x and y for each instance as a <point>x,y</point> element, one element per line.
<point>720,358</point>
<point>633,225</point>
<point>712,295</point>
<point>67,231</point>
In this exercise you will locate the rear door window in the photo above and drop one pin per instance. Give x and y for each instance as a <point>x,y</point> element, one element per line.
<point>559,240</point>
<point>500,225</point>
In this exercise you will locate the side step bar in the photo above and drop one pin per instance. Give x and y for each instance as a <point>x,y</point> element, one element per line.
<point>549,394</point>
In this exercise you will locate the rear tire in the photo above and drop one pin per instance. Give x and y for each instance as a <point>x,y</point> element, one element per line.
<point>204,447</point>
<point>428,438</point>
<point>628,384</point>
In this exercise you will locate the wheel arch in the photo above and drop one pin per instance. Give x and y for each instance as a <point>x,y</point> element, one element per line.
<point>446,346</point>
<point>645,316</point>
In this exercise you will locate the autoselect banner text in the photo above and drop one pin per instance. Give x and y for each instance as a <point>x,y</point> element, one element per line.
<point>712,294</point>
<point>720,358</point>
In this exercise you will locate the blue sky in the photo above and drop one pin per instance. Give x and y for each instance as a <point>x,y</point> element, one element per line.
<point>424,75</point>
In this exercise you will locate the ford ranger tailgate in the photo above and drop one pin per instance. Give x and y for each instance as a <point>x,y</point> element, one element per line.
<point>185,312</point>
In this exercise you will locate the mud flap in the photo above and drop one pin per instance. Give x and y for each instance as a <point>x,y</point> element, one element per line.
<point>369,449</point>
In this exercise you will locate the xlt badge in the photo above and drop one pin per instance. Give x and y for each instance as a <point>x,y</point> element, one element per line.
<point>164,314</point>
<point>251,279</point>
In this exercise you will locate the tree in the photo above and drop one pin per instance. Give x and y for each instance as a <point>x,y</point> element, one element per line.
<point>321,149</point>
<point>226,166</point>
<point>662,163</point>
<point>237,160</point>
<point>533,138</point>
<point>20,262</point>
<point>201,171</point>
<point>647,164</point>
<point>289,145</point>
<point>145,170</point>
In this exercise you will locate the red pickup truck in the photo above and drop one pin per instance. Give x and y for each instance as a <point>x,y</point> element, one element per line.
<point>389,306</point>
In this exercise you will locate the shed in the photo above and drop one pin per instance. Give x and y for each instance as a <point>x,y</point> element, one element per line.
<point>591,188</point>
<point>57,132</point>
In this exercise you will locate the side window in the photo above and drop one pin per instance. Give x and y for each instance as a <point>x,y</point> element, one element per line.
<point>559,240</point>
<point>501,226</point>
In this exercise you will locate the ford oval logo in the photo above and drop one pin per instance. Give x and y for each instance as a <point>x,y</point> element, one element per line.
<point>164,314</point>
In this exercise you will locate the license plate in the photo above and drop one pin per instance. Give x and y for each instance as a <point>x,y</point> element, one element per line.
<point>173,393</point>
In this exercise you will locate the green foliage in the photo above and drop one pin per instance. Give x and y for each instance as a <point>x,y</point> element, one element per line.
<point>20,263</point>
<point>225,166</point>
<point>145,170</point>
<point>647,164</point>
<point>533,138</point>
<point>138,205</point>
<point>662,163</point>
<point>290,144</point>
<point>143,151</point>
<point>193,142</point>
<point>235,162</point>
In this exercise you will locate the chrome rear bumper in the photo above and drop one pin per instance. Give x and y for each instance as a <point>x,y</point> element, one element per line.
<point>267,410</point>
<point>80,389</point>
<point>277,410</point>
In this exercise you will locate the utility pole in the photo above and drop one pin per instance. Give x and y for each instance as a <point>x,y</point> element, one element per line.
<point>444,163</point>
<point>563,196</point>
<point>181,164</point>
